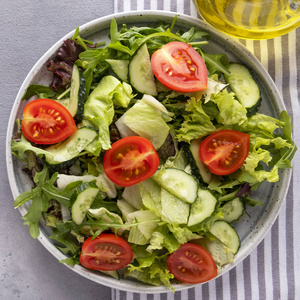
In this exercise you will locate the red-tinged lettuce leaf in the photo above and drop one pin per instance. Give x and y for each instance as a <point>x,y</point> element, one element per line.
<point>62,64</point>
<point>69,51</point>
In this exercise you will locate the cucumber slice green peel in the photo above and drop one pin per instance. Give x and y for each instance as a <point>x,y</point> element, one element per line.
<point>227,235</point>
<point>82,201</point>
<point>178,182</point>
<point>244,86</point>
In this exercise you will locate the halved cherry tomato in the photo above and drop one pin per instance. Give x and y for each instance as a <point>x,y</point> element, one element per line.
<point>130,160</point>
<point>179,67</point>
<point>224,151</point>
<point>192,264</point>
<point>107,252</point>
<point>46,121</point>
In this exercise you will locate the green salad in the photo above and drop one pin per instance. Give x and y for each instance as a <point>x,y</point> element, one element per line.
<point>144,152</point>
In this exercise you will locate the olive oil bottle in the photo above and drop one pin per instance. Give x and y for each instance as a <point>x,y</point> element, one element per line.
<point>251,19</point>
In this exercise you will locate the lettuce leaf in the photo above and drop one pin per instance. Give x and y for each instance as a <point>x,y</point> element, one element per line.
<point>196,122</point>
<point>261,125</point>
<point>102,182</point>
<point>231,111</point>
<point>146,121</point>
<point>151,195</point>
<point>182,233</point>
<point>141,234</point>
<point>163,238</point>
<point>99,107</point>
<point>213,88</point>
<point>152,270</point>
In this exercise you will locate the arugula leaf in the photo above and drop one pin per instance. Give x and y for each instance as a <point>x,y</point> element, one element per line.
<point>216,63</point>
<point>40,197</point>
<point>71,261</point>
<point>19,149</point>
<point>41,90</point>
<point>68,246</point>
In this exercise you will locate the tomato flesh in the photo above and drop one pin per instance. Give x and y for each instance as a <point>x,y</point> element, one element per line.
<point>130,160</point>
<point>179,67</point>
<point>46,121</point>
<point>191,263</point>
<point>107,252</point>
<point>224,151</point>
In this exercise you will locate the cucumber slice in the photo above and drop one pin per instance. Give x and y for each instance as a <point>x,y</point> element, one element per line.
<point>83,199</point>
<point>203,207</point>
<point>141,76</point>
<point>227,235</point>
<point>203,170</point>
<point>77,94</point>
<point>178,182</point>
<point>233,210</point>
<point>71,147</point>
<point>75,83</point>
<point>244,87</point>
<point>113,274</point>
<point>119,67</point>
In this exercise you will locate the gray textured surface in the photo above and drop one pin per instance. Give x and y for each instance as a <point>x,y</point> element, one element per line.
<point>28,29</point>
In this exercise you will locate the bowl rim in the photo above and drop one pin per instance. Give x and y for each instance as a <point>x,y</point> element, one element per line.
<point>92,26</point>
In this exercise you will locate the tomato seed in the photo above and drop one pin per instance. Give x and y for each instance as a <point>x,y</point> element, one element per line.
<point>120,156</point>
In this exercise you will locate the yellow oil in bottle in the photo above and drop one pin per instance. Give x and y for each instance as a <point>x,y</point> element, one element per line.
<point>251,19</point>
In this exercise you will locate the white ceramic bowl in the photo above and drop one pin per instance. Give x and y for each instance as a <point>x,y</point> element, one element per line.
<point>250,229</point>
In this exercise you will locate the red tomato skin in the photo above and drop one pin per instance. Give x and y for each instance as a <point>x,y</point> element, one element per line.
<point>228,157</point>
<point>107,252</point>
<point>130,160</point>
<point>47,122</point>
<point>179,67</point>
<point>192,264</point>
